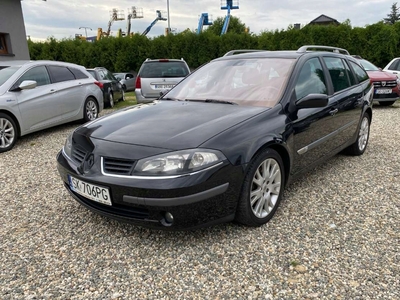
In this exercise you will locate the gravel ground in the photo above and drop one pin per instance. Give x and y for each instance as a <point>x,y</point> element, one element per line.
<point>335,236</point>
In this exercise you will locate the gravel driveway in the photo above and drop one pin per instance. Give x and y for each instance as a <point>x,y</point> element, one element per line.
<point>335,236</point>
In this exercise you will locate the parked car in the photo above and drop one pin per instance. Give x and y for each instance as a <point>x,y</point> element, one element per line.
<point>127,80</point>
<point>212,151</point>
<point>35,95</point>
<point>393,67</point>
<point>158,75</point>
<point>387,90</point>
<point>111,87</point>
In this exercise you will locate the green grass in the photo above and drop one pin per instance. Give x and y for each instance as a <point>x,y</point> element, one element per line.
<point>130,100</point>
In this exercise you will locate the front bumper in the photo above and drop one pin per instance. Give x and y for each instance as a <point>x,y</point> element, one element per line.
<point>198,200</point>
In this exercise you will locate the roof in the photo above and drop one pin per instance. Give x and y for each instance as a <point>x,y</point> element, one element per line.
<point>324,19</point>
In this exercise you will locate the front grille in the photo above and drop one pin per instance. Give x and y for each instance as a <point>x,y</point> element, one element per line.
<point>78,154</point>
<point>118,166</point>
<point>390,83</point>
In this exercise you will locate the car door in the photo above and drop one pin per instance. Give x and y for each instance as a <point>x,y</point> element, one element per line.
<point>71,93</point>
<point>129,81</point>
<point>393,67</point>
<point>313,128</point>
<point>115,84</point>
<point>37,106</point>
<point>349,97</point>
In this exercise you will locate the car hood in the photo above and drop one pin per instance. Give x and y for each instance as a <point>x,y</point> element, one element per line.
<point>168,124</point>
<point>381,75</point>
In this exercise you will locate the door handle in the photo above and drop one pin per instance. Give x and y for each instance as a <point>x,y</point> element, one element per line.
<point>333,111</point>
<point>53,91</point>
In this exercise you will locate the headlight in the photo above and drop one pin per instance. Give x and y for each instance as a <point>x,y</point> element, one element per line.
<point>68,146</point>
<point>179,162</point>
<point>398,81</point>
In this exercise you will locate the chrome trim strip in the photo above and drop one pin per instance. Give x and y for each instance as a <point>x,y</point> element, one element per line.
<point>155,177</point>
<point>323,139</point>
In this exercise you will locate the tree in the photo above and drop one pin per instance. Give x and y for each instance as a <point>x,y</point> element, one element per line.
<point>394,15</point>
<point>235,26</point>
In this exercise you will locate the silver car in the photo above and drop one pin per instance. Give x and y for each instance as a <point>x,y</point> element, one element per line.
<point>127,80</point>
<point>158,75</point>
<point>35,95</point>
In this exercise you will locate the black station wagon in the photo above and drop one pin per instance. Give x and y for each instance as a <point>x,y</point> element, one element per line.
<point>223,143</point>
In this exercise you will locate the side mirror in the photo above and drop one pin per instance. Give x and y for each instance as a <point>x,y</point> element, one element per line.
<point>312,101</point>
<point>25,85</point>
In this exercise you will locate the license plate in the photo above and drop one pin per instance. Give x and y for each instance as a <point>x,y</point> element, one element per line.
<point>164,86</point>
<point>383,91</point>
<point>90,191</point>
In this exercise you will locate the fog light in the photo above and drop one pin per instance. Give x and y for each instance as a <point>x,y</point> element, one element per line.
<point>169,218</point>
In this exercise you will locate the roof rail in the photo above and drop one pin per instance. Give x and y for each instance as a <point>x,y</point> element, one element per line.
<point>148,59</point>
<point>233,52</point>
<point>326,48</point>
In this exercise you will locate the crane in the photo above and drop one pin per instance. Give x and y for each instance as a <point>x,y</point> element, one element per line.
<point>115,16</point>
<point>133,13</point>
<point>159,18</point>
<point>230,4</point>
<point>204,20</point>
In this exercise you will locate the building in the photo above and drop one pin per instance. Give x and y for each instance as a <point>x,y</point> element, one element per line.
<point>324,20</point>
<point>13,43</point>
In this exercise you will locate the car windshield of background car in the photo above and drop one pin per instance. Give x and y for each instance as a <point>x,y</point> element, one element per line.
<point>255,82</point>
<point>6,73</point>
<point>368,66</point>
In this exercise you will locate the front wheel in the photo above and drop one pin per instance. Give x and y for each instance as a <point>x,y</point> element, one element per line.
<point>110,99</point>
<point>359,146</point>
<point>386,103</point>
<point>123,96</point>
<point>262,189</point>
<point>91,110</point>
<point>8,133</point>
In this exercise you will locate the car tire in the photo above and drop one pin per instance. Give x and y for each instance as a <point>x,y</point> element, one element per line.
<point>90,110</point>
<point>124,87</point>
<point>386,103</point>
<point>110,99</point>
<point>123,96</point>
<point>8,133</point>
<point>359,146</point>
<point>262,189</point>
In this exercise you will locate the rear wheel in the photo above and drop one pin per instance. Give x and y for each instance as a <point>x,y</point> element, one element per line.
<point>262,189</point>
<point>359,146</point>
<point>91,110</point>
<point>123,96</point>
<point>8,133</point>
<point>386,103</point>
<point>110,99</point>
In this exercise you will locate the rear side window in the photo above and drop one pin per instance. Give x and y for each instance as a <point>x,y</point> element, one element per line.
<point>60,74</point>
<point>159,69</point>
<point>311,79</point>
<point>38,74</point>
<point>78,73</point>
<point>93,73</point>
<point>338,74</point>
<point>360,72</point>
<point>350,73</point>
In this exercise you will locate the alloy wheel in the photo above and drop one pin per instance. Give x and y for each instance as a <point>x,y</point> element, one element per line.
<point>266,187</point>
<point>7,133</point>
<point>91,110</point>
<point>363,134</point>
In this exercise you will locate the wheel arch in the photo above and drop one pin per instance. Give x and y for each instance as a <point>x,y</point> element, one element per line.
<point>12,116</point>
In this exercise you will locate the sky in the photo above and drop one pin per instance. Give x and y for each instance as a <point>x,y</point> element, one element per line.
<point>63,18</point>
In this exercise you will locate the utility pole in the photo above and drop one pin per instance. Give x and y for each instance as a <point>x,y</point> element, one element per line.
<point>169,24</point>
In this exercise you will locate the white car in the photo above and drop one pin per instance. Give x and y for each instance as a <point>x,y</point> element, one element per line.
<point>393,67</point>
<point>35,95</point>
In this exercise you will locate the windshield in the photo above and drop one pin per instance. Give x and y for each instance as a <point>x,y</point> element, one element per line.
<point>256,82</point>
<point>6,73</point>
<point>368,66</point>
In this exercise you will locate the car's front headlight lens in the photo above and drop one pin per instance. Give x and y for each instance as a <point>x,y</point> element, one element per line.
<point>179,162</point>
<point>398,81</point>
<point>68,146</point>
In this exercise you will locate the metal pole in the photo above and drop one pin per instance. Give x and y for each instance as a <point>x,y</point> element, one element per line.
<point>85,29</point>
<point>169,24</point>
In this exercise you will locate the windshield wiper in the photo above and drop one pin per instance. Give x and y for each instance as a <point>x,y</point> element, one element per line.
<point>212,101</point>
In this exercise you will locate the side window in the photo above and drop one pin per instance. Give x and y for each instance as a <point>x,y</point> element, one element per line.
<point>350,73</point>
<point>129,76</point>
<point>78,74</point>
<point>103,75</point>
<point>311,79</point>
<point>395,65</point>
<point>338,74</point>
<point>38,74</point>
<point>60,74</point>
<point>360,72</point>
